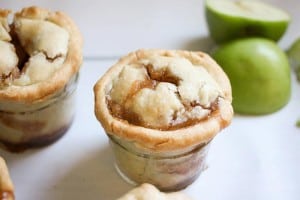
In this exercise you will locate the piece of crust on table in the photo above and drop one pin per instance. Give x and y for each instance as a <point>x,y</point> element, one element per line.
<point>6,185</point>
<point>149,192</point>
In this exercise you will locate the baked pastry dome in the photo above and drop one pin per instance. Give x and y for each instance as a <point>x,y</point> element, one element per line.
<point>164,99</point>
<point>149,192</point>
<point>39,72</point>
<point>6,185</point>
<point>43,47</point>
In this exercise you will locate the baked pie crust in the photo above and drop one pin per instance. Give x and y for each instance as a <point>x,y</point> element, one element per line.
<point>28,23</point>
<point>158,139</point>
<point>149,192</point>
<point>6,185</point>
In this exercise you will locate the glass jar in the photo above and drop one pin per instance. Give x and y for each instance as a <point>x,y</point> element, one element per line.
<point>40,123</point>
<point>169,171</point>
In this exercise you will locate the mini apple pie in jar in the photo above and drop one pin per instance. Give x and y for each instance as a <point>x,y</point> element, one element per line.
<point>40,58</point>
<point>160,110</point>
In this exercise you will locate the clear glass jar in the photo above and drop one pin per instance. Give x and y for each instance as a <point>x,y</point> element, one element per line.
<point>40,123</point>
<point>169,171</point>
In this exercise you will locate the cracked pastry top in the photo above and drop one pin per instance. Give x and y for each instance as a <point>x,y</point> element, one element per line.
<point>147,191</point>
<point>40,52</point>
<point>164,99</point>
<point>6,185</point>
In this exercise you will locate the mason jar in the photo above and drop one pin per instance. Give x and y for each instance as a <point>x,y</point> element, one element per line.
<point>38,123</point>
<point>167,170</point>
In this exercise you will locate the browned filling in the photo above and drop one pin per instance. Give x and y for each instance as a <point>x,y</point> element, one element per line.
<point>120,112</point>
<point>6,79</point>
<point>38,141</point>
<point>27,126</point>
<point>163,75</point>
<point>21,53</point>
<point>23,57</point>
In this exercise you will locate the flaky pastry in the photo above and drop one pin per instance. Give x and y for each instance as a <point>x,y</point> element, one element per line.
<point>43,52</point>
<point>164,99</point>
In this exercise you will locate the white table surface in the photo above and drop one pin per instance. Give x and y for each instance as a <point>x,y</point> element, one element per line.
<point>256,158</point>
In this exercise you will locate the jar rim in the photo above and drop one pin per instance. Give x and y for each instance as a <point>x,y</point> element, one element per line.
<point>158,155</point>
<point>66,91</point>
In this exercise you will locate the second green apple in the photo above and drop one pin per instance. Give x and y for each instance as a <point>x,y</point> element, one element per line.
<point>259,73</point>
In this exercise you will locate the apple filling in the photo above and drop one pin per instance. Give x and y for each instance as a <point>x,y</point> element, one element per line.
<point>163,93</point>
<point>32,49</point>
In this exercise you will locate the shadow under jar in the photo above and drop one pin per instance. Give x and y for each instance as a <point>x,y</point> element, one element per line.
<point>160,110</point>
<point>41,55</point>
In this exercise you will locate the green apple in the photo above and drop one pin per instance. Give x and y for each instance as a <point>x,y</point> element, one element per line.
<point>294,57</point>
<point>228,19</point>
<point>298,123</point>
<point>259,73</point>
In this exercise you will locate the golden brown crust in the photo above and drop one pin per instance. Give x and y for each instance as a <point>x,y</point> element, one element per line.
<point>4,27</point>
<point>148,191</point>
<point>157,140</point>
<point>70,66</point>
<point>6,185</point>
<point>4,12</point>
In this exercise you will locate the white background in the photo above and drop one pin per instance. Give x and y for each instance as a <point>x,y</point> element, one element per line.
<point>256,158</point>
